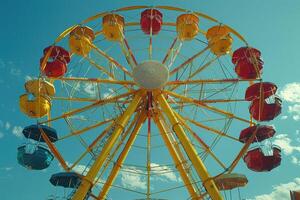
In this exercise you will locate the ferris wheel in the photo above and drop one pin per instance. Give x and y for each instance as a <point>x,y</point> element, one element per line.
<point>148,101</point>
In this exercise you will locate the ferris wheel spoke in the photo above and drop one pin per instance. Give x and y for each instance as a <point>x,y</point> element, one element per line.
<point>111,59</point>
<point>189,60</point>
<point>81,131</point>
<point>96,80</point>
<point>112,155</point>
<point>114,172</point>
<point>203,105</point>
<point>189,149</point>
<point>175,155</point>
<point>171,55</point>
<point>126,50</point>
<point>209,81</point>
<point>100,68</point>
<point>200,141</point>
<point>120,125</point>
<point>92,145</point>
<point>242,152</point>
<point>82,109</point>
<point>54,150</point>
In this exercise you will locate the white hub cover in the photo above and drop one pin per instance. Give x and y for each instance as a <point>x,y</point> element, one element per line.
<point>151,74</point>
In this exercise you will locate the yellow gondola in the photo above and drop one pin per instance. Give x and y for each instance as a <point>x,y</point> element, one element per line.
<point>187,26</point>
<point>219,40</point>
<point>37,107</point>
<point>113,26</point>
<point>80,39</point>
<point>39,87</point>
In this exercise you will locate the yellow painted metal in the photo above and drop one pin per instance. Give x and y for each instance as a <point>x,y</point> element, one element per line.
<point>65,33</point>
<point>118,146</point>
<point>203,105</point>
<point>98,103</point>
<point>122,157</point>
<point>242,152</point>
<point>110,75</point>
<point>202,143</point>
<point>92,145</point>
<point>176,158</point>
<point>210,129</point>
<point>209,81</point>
<point>96,80</point>
<point>78,132</point>
<point>200,168</point>
<point>74,99</point>
<point>87,181</point>
<point>54,150</point>
<point>189,60</point>
<point>110,59</point>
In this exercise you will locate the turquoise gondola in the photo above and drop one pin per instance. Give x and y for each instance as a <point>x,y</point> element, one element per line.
<point>34,157</point>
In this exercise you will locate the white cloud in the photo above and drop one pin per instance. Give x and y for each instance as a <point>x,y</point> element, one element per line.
<point>291,92</point>
<point>90,88</point>
<point>164,173</point>
<point>1,135</point>
<point>17,131</point>
<point>7,125</point>
<point>281,191</point>
<point>285,143</point>
<point>28,78</point>
<point>132,178</point>
<point>284,117</point>
<point>295,160</point>
<point>294,109</point>
<point>15,72</point>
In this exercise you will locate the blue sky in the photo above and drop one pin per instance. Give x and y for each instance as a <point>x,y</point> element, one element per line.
<point>28,27</point>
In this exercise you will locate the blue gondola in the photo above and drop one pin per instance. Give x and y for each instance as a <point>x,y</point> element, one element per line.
<point>34,157</point>
<point>66,179</point>
<point>33,132</point>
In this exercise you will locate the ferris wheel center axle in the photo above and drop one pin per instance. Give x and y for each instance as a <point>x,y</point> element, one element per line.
<point>151,74</point>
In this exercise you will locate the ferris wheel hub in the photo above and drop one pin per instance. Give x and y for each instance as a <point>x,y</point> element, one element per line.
<point>151,74</point>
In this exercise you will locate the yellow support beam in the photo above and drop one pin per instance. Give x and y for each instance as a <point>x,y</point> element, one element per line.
<point>200,168</point>
<point>177,161</point>
<point>54,150</point>
<point>87,181</point>
<point>114,172</point>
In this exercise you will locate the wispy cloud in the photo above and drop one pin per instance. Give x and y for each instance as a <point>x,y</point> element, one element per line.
<point>295,160</point>
<point>132,178</point>
<point>291,94</point>
<point>164,173</point>
<point>281,191</point>
<point>286,145</point>
<point>1,135</point>
<point>17,131</point>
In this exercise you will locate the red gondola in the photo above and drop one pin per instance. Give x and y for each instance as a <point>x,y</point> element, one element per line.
<point>245,52</point>
<point>248,64</point>
<point>257,90</point>
<point>54,69</point>
<point>257,161</point>
<point>151,19</point>
<point>263,111</point>
<point>262,132</point>
<point>58,53</point>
